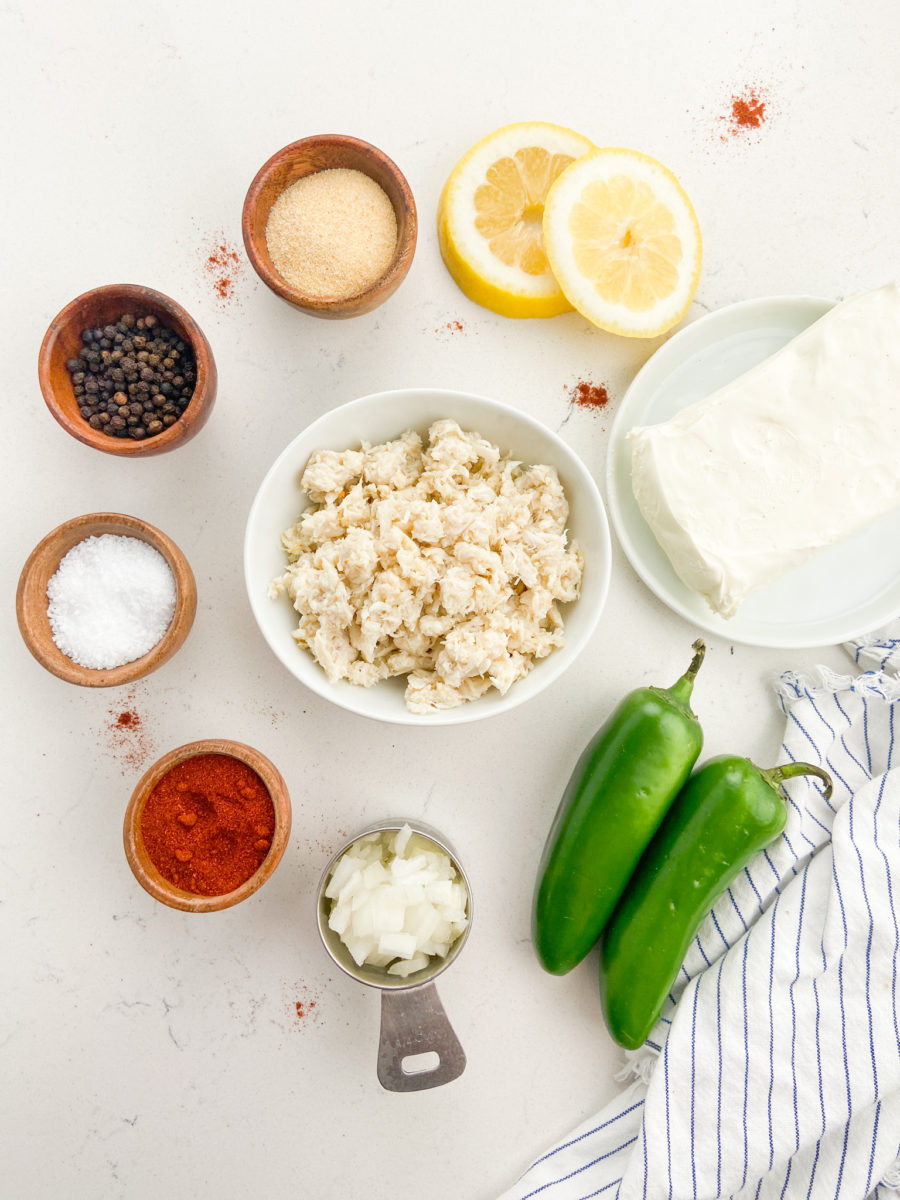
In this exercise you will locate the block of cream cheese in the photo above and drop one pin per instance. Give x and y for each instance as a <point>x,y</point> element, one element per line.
<point>801,451</point>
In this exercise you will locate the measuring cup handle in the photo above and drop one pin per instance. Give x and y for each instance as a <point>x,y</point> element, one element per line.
<point>414,1022</point>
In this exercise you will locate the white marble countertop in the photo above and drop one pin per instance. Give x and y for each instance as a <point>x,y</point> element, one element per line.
<point>146,1051</point>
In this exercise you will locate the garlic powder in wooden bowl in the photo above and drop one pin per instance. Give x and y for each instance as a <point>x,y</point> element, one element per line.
<point>332,234</point>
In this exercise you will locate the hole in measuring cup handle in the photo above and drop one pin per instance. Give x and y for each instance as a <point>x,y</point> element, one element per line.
<point>416,1064</point>
<point>414,1027</point>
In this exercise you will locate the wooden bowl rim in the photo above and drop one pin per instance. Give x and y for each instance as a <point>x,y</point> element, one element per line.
<point>204,387</point>
<point>143,868</point>
<point>406,242</point>
<point>45,554</point>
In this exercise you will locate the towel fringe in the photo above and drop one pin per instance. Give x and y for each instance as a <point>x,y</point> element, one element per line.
<point>790,686</point>
<point>891,1177</point>
<point>638,1065</point>
<point>880,639</point>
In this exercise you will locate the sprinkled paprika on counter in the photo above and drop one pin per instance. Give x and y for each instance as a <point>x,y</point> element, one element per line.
<point>208,824</point>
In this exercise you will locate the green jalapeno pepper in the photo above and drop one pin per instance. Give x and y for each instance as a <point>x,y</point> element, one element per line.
<point>619,792</point>
<point>726,813</point>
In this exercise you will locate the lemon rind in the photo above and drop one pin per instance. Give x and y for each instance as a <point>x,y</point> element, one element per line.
<point>482,278</point>
<point>604,315</point>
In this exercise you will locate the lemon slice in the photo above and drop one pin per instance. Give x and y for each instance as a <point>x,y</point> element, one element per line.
<point>623,241</point>
<point>490,218</point>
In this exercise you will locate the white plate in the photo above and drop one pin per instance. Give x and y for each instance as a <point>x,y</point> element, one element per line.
<point>376,418</point>
<point>845,591</point>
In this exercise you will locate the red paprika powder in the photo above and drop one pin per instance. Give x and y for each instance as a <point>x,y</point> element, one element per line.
<point>208,824</point>
<point>223,266</point>
<point>589,395</point>
<point>748,110</point>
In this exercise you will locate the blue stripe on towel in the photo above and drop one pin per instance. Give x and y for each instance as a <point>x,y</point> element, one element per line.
<point>785,1020</point>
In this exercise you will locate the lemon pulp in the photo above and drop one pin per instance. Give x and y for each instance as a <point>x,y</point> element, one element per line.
<point>490,218</point>
<point>623,241</point>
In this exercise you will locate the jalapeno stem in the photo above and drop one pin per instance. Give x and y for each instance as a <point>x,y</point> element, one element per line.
<point>775,775</point>
<point>685,685</point>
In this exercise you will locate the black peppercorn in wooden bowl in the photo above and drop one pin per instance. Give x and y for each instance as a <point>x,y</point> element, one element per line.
<point>117,366</point>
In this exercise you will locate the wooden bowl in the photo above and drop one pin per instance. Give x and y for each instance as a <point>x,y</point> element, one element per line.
<point>320,153</point>
<point>146,873</point>
<point>31,599</point>
<point>104,306</point>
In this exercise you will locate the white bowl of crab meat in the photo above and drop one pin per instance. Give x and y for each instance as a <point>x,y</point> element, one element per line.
<point>446,560</point>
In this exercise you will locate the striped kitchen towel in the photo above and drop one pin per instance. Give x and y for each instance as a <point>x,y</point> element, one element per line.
<point>774,1070</point>
<point>879,651</point>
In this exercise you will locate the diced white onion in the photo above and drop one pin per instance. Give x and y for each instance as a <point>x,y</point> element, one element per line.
<point>401,838</point>
<point>361,948</point>
<point>339,919</point>
<point>405,968</point>
<point>400,945</point>
<point>374,874</point>
<point>397,900</point>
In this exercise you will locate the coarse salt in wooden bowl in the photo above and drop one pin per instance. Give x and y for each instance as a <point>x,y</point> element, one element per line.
<point>104,306</point>
<point>147,874</point>
<point>41,566</point>
<point>320,153</point>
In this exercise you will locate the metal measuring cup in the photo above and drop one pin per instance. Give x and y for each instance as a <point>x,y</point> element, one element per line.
<point>413,1021</point>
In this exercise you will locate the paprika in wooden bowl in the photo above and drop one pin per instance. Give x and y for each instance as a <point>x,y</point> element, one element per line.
<point>207,825</point>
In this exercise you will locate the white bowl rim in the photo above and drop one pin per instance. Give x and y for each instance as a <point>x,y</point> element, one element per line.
<point>551,667</point>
